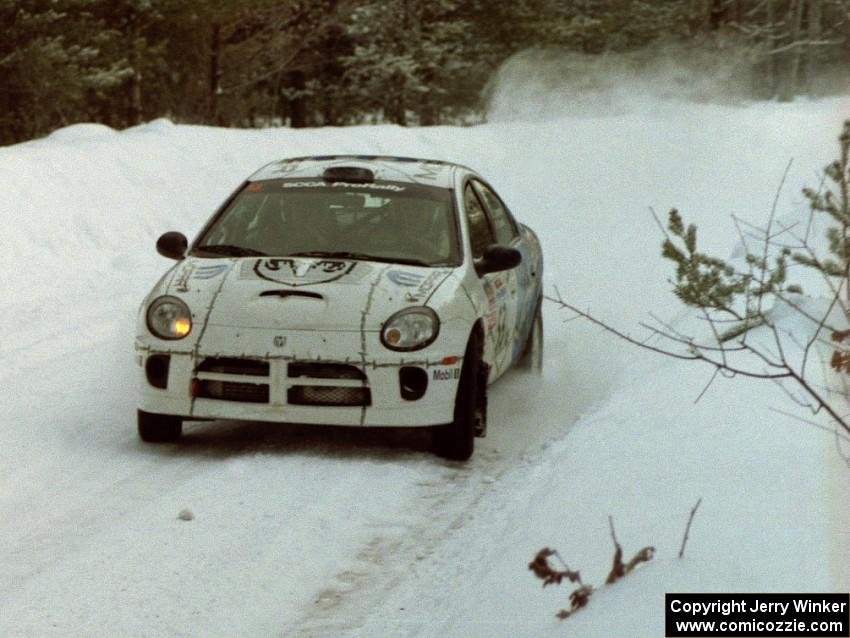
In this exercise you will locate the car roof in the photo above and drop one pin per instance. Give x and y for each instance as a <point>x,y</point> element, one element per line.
<point>385,167</point>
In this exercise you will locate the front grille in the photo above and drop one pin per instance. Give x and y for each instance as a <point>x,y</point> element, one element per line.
<point>323,370</point>
<point>235,365</point>
<point>314,383</point>
<point>233,391</point>
<point>328,395</point>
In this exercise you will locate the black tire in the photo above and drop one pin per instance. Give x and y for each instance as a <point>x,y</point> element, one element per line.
<point>531,358</point>
<point>159,428</point>
<point>456,441</point>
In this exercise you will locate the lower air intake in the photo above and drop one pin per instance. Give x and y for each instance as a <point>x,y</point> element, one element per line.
<point>235,365</point>
<point>156,370</point>
<point>233,391</point>
<point>328,395</point>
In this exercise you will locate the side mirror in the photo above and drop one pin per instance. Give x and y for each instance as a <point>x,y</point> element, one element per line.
<point>497,258</point>
<point>172,245</point>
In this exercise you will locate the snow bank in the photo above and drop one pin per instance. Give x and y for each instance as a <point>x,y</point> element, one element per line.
<point>765,522</point>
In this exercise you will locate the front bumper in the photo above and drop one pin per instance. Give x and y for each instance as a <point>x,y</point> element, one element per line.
<point>273,387</point>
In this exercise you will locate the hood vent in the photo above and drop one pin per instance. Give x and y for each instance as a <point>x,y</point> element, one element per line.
<point>291,293</point>
<point>351,174</point>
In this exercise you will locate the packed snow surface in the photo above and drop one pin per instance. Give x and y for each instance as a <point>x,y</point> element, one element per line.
<point>257,530</point>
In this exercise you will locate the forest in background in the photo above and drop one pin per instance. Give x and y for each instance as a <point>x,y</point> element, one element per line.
<point>253,63</point>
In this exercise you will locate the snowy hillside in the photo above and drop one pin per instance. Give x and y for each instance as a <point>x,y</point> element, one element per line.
<point>332,532</point>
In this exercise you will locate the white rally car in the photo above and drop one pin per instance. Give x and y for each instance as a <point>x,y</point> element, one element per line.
<point>343,290</point>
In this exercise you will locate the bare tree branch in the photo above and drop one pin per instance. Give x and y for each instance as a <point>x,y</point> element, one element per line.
<point>707,385</point>
<point>688,527</point>
<point>767,230</point>
<point>695,355</point>
<point>838,433</point>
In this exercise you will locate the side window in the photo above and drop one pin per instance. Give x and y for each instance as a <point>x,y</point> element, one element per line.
<point>480,234</point>
<point>503,225</point>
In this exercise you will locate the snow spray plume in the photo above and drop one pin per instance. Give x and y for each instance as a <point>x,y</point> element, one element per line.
<point>550,83</point>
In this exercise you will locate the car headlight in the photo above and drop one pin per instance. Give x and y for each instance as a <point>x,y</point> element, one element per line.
<point>410,329</point>
<point>169,318</point>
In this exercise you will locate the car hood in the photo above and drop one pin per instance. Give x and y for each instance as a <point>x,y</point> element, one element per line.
<point>295,293</point>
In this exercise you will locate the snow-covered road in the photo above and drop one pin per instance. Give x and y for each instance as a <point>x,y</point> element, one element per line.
<point>319,531</point>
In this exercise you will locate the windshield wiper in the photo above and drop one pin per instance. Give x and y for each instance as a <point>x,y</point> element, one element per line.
<point>343,254</point>
<point>231,250</point>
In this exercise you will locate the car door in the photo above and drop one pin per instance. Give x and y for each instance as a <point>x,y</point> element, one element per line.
<point>521,282</point>
<point>500,308</point>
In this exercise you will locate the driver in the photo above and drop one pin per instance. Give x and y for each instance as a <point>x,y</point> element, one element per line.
<point>294,223</point>
<point>424,236</point>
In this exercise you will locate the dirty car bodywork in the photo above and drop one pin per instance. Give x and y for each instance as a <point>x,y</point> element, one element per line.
<point>339,290</point>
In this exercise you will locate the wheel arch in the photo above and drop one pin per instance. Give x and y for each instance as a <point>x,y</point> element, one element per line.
<point>477,331</point>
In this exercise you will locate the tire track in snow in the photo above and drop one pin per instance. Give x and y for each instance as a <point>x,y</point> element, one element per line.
<point>445,502</point>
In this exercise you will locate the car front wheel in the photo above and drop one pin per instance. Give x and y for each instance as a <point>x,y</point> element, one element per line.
<point>456,440</point>
<point>159,428</point>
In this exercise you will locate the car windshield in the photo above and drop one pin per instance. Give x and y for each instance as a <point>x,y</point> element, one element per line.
<point>382,221</point>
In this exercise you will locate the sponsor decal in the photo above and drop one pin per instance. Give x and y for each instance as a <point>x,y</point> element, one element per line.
<point>497,315</point>
<point>182,284</point>
<point>210,272</point>
<point>254,187</point>
<point>492,310</point>
<point>503,334</point>
<point>193,271</point>
<point>346,185</point>
<point>302,272</point>
<point>528,288</point>
<point>501,289</point>
<point>445,374</point>
<point>426,287</point>
<point>404,278</point>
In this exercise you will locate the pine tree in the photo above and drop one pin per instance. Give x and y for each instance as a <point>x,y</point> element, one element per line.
<point>412,58</point>
<point>52,65</point>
